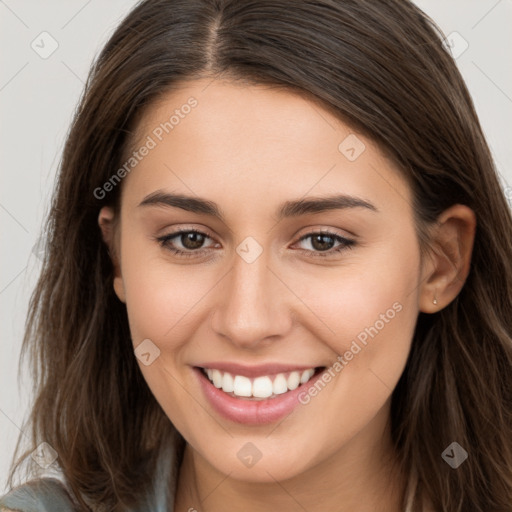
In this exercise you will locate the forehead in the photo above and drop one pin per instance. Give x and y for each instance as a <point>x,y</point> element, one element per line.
<point>255,142</point>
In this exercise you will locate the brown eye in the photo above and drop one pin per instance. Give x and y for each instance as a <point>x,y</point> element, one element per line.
<point>185,242</point>
<point>192,240</point>
<point>324,242</point>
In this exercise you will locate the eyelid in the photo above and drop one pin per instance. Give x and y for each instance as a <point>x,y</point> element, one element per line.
<point>318,228</point>
<point>187,229</point>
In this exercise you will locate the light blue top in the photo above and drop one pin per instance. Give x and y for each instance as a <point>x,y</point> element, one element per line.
<point>50,494</point>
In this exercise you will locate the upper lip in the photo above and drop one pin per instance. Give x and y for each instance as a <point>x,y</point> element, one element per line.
<point>256,370</point>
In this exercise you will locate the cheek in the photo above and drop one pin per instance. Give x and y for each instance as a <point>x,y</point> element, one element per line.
<point>371,313</point>
<point>375,290</point>
<point>366,314</point>
<point>160,296</point>
<point>160,301</point>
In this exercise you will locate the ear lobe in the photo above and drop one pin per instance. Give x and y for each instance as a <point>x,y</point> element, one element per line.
<point>107,223</point>
<point>450,258</point>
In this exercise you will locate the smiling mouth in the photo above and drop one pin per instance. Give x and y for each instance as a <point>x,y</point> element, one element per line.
<point>262,387</point>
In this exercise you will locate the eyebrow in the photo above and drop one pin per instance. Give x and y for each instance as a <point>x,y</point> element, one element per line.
<point>287,209</point>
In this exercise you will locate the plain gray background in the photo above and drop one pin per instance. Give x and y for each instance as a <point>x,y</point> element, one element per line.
<point>38,95</point>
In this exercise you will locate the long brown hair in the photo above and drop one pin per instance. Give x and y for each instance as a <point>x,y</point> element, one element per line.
<point>382,68</point>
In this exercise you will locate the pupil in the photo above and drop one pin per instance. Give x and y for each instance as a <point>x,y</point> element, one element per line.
<point>192,240</point>
<point>321,239</point>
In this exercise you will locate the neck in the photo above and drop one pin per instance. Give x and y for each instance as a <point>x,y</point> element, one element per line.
<point>360,477</point>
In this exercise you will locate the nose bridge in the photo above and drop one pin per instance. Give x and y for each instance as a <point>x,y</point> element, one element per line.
<point>251,307</point>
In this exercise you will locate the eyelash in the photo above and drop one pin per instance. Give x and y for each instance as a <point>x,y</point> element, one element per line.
<point>345,243</point>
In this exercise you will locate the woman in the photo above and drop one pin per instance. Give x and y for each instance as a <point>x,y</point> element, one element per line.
<point>278,272</point>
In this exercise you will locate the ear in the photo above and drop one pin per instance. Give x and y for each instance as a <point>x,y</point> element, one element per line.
<point>447,267</point>
<point>107,222</point>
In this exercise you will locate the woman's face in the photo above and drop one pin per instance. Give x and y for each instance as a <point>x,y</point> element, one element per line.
<point>261,296</point>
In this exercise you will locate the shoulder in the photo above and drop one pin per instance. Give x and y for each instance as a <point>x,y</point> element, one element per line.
<point>49,491</point>
<point>39,495</point>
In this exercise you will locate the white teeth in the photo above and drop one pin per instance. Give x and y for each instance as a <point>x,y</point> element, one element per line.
<point>242,386</point>
<point>280,385</point>
<point>227,383</point>
<point>306,375</point>
<point>217,378</point>
<point>260,387</point>
<point>293,380</point>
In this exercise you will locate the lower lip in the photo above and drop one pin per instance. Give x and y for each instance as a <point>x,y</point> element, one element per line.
<point>252,412</point>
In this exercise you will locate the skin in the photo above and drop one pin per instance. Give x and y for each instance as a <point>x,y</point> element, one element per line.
<point>248,149</point>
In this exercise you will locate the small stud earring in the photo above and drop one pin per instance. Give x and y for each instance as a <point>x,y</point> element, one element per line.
<point>435,300</point>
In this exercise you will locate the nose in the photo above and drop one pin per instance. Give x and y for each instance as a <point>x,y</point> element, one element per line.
<point>253,307</point>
